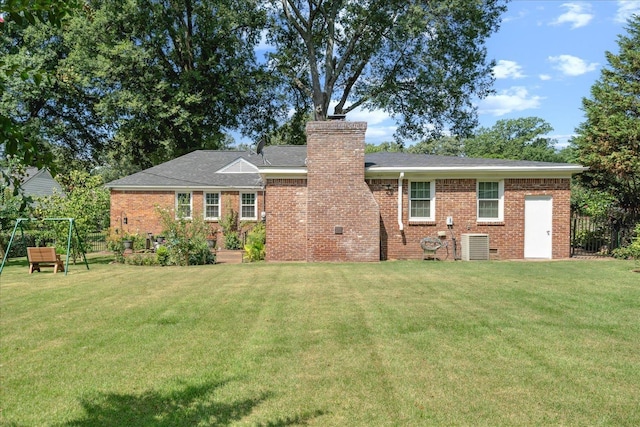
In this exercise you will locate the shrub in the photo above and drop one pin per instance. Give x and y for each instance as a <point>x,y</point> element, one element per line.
<point>140,259</point>
<point>231,229</point>
<point>185,240</point>
<point>162,255</point>
<point>631,251</point>
<point>255,246</point>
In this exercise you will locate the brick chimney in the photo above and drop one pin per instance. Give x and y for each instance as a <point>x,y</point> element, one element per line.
<point>343,218</point>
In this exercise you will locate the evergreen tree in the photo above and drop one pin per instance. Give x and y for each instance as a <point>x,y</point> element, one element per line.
<point>608,142</point>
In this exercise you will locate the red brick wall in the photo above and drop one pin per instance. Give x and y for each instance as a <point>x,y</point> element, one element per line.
<point>457,198</point>
<point>286,209</point>
<point>139,207</point>
<point>337,195</point>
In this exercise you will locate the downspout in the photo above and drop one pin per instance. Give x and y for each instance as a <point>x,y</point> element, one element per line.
<point>400,224</point>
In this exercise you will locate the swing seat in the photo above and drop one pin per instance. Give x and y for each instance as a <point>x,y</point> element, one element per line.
<point>44,257</point>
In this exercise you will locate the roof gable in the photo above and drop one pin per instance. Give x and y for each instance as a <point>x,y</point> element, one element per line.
<point>239,166</point>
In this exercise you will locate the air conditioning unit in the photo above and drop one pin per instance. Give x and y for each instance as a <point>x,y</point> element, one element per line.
<point>475,247</point>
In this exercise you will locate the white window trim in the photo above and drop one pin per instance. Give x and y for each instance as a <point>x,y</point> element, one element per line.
<point>500,201</point>
<point>255,207</point>
<point>190,193</point>
<point>204,205</point>
<point>432,202</point>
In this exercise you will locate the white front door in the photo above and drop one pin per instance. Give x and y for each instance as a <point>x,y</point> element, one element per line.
<point>538,222</point>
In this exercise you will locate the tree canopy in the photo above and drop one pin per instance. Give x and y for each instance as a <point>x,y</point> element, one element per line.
<point>608,142</point>
<point>518,139</point>
<point>17,142</point>
<point>423,62</point>
<point>126,84</point>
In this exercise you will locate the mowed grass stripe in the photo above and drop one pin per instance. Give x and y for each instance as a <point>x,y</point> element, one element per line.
<point>395,343</point>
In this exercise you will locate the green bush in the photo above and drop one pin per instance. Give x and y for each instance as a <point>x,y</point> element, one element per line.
<point>231,229</point>
<point>141,259</point>
<point>631,251</point>
<point>162,255</point>
<point>185,240</point>
<point>255,246</point>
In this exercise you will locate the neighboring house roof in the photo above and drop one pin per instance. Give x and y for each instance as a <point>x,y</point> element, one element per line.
<point>242,169</point>
<point>39,183</point>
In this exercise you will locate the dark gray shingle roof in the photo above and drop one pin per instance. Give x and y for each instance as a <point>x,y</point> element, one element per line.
<point>203,168</point>
<point>385,159</point>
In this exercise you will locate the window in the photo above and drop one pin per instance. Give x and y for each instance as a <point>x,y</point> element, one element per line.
<point>248,206</point>
<point>212,205</point>
<point>490,200</point>
<point>422,201</point>
<point>183,205</point>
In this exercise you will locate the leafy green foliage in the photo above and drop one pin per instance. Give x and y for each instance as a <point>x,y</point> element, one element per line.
<point>632,251</point>
<point>162,255</point>
<point>423,61</point>
<point>608,142</point>
<point>517,139</point>
<point>390,147</point>
<point>444,146</point>
<point>173,76</point>
<point>86,200</point>
<point>18,142</point>
<point>185,240</point>
<point>230,226</point>
<point>255,246</point>
<point>591,202</point>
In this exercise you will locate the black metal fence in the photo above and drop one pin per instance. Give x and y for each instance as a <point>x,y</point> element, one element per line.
<point>597,236</point>
<point>96,242</point>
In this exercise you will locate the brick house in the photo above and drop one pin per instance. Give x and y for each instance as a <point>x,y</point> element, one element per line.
<point>328,201</point>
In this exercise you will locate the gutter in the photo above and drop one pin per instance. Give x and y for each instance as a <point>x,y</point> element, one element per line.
<point>400,224</point>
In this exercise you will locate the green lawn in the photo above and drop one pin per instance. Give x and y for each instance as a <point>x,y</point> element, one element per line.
<point>394,343</point>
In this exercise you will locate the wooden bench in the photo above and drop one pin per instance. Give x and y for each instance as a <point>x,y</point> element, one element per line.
<point>44,257</point>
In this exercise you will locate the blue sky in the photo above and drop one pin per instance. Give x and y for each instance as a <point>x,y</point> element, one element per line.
<point>548,54</point>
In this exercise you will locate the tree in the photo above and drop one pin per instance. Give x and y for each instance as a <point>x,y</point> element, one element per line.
<point>444,146</point>
<point>173,76</point>
<point>20,14</point>
<point>86,199</point>
<point>389,147</point>
<point>423,61</point>
<point>608,142</point>
<point>518,139</point>
<point>56,113</point>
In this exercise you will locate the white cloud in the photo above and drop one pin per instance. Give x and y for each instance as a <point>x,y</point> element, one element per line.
<point>509,18</point>
<point>577,14</point>
<point>507,69</point>
<point>544,77</point>
<point>380,125</point>
<point>626,9</point>
<point>377,134</point>
<point>374,117</point>
<point>516,98</point>
<point>572,65</point>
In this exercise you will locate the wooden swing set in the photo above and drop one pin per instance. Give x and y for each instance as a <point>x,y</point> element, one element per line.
<point>42,257</point>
